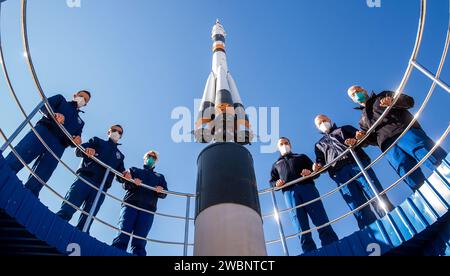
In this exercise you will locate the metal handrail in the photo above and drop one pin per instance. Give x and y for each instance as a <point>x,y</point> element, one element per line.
<point>396,183</point>
<point>48,107</point>
<point>13,150</point>
<point>427,73</point>
<point>16,99</point>
<point>398,93</point>
<point>52,113</point>
<point>411,124</point>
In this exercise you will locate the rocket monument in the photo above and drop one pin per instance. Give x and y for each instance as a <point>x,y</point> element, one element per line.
<point>228,219</point>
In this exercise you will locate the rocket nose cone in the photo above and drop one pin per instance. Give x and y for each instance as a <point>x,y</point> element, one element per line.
<point>218,29</point>
<point>218,23</point>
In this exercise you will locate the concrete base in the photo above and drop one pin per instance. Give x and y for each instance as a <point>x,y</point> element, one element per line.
<point>229,230</point>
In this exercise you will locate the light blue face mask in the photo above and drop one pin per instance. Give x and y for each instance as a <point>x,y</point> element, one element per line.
<point>360,97</point>
<point>150,162</point>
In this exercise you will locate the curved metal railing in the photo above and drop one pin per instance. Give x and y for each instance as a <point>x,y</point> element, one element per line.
<point>77,208</point>
<point>417,166</point>
<point>411,65</point>
<point>28,118</point>
<point>399,91</point>
<point>411,124</point>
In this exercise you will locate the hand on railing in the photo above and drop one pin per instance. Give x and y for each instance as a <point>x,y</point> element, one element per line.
<point>360,135</point>
<point>127,176</point>
<point>387,101</point>
<point>317,167</point>
<point>77,140</point>
<point>60,118</point>
<point>351,142</point>
<point>137,181</point>
<point>90,152</point>
<point>305,173</point>
<point>159,189</point>
<point>280,183</point>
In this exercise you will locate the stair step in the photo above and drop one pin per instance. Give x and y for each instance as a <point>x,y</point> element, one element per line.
<point>15,240</point>
<point>30,254</point>
<point>26,245</point>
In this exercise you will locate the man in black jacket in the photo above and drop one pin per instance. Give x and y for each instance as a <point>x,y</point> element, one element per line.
<point>290,167</point>
<point>334,142</point>
<point>411,148</point>
<point>80,193</point>
<point>132,220</point>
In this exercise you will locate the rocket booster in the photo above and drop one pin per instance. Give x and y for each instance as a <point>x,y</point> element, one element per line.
<point>222,116</point>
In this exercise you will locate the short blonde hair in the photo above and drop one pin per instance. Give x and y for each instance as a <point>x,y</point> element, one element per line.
<point>152,153</point>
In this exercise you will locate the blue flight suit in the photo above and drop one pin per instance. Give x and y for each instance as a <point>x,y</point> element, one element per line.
<point>355,194</point>
<point>80,193</point>
<point>409,150</point>
<point>31,148</point>
<point>135,221</point>
<point>289,168</point>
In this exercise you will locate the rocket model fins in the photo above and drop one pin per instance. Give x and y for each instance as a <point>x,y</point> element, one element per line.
<point>244,134</point>
<point>204,124</point>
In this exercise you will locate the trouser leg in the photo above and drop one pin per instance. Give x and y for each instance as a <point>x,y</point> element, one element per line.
<point>88,205</point>
<point>127,221</point>
<point>44,167</point>
<point>142,228</point>
<point>76,196</point>
<point>29,148</point>
<point>317,213</point>
<point>402,163</point>
<point>299,219</point>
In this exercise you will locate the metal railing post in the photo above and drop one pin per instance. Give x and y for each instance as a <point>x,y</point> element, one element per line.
<point>431,76</point>
<point>280,226</point>
<point>369,180</point>
<point>97,198</point>
<point>186,226</point>
<point>22,126</point>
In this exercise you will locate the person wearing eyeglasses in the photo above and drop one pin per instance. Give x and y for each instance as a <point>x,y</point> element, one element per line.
<point>411,148</point>
<point>31,148</point>
<point>132,220</point>
<point>80,192</point>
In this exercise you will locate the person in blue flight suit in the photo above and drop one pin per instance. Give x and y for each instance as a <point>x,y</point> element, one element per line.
<point>80,192</point>
<point>134,221</point>
<point>334,142</point>
<point>290,167</point>
<point>411,148</point>
<point>30,147</point>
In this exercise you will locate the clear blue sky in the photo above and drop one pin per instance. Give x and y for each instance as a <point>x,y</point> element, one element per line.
<point>143,58</point>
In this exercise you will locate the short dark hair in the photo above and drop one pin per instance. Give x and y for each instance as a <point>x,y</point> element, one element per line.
<point>118,126</point>
<point>284,138</point>
<point>85,91</point>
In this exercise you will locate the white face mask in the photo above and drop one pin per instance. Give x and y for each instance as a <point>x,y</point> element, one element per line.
<point>285,149</point>
<point>325,127</point>
<point>80,101</point>
<point>115,136</point>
